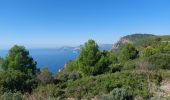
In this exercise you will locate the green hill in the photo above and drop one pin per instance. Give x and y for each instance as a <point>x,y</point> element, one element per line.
<point>138,70</point>
<point>139,40</point>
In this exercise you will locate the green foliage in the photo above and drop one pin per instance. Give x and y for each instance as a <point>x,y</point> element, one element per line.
<point>90,54</point>
<point>19,71</point>
<point>160,61</point>
<point>1,61</point>
<point>14,80</point>
<point>91,61</point>
<point>63,77</point>
<point>128,52</point>
<point>134,82</point>
<point>95,73</point>
<point>113,58</point>
<point>69,72</point>
<point>88,58</point>
<point>139,40</point>
<point>103,63</point>
<point>118,94</point>
<point>164,47</point>
<point>12,96</point>
<point>48,92</point>
<point>74,76</point>
<point>115,67</point>
<point>71,66</point>
<point>138,37</point>
<point>129,65</point>
<point>45,77</point>
<point>19,59</point>
<point>165,37</point>
<point>148,51</point>
<point>150,41</point>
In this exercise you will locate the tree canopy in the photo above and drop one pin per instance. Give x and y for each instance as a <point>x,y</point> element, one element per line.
<point>88,58</point>
<point>18,58</point>
<point>19,70</point>
<point>128,52</point>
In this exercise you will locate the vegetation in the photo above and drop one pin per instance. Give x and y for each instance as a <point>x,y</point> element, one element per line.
<point>19,59</point>
<point>128,52</point>
<point>135,72</point>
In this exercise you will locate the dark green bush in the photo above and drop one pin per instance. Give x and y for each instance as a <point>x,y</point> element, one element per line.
<point>14,80</point>
<point>128,52</point>
<point>129,65</point>
<point>115,67</point>
<point>160,61</point>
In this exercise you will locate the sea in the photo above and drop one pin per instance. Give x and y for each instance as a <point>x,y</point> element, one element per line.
<point>53,59</point>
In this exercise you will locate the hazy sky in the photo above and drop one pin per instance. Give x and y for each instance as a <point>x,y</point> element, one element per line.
<point>54,23</point>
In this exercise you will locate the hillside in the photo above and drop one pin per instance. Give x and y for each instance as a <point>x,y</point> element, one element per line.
<point>138,40</point>
<point>138,70</point>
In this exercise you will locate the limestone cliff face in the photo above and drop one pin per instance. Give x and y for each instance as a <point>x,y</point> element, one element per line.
<point>121,42</point>
<point>130,39</point>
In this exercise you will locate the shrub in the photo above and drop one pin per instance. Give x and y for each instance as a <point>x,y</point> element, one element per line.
<point>45,77</point>
<point>118,94</point>
<point>164,47</point>
<point>12,96</point>
<point>70,66</point>
<point>115,67</point>
<point>63,77</point>
<point>148,51</point>
<point>113,58</point>
<point>160,61</point>
<point>135,83</point>
<point>143,64</point>
<point>12,80</point>
<point>128,52</point>
<point>74,76</point>
<point>129,65</point>
<point>48,91</point>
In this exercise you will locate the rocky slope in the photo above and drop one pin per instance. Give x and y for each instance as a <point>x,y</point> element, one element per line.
<point>130,39</point>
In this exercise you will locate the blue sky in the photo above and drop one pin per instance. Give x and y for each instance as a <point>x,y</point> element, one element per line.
<point>54,23</point>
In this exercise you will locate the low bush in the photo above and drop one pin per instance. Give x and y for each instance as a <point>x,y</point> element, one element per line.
<point>129,65</point>
<point>134,82</point>
<point>160,61</point>
<point>48,91</point>
<point>12,96</point>
<point>115,67</point>
<point>118,94</point>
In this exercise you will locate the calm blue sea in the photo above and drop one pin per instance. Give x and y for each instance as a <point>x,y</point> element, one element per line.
<point>53,59</point>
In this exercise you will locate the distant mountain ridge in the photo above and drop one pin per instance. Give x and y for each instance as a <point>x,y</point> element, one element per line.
<point>77,49</point>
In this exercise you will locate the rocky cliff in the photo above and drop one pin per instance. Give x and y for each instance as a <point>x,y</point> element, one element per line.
<point>130,39</point>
